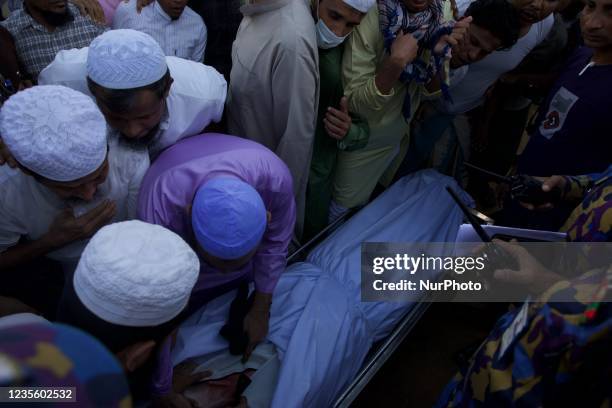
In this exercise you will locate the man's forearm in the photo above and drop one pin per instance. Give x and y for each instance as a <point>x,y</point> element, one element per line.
<point>262,302</point>
<point>387,75</point>
<point>28,251</point>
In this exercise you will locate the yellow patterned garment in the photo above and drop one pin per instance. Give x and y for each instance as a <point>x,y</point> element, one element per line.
<point>563,357</point>
<point>592,220</point>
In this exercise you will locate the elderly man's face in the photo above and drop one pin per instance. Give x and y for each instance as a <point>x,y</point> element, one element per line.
<point>596,24</point>
<point>173,8</point>
<point>339,16</point>
<point>416,6</point>
<point>533,11</point>
<point>140,123</point>
<point>480,43</point>
<point>82,189</point>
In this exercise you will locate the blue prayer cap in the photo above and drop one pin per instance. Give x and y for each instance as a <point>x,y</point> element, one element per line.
<point>228,218</point>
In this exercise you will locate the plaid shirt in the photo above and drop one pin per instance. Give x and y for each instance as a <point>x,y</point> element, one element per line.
<point>37,47</point>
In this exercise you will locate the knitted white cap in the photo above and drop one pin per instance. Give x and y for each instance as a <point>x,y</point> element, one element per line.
<point>136,274</point>
<point>125,59</point>
<point>54,131</point>
<point>361,5</point>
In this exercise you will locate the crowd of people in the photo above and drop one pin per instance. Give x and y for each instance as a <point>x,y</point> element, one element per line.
<point>156,154</point>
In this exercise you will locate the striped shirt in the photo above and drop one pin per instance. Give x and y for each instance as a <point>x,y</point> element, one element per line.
<point>36,46</point>
<point>184,37</point>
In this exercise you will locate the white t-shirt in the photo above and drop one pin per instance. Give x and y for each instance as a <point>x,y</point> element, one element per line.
<point>27,208</point>
<point>197,96</point>
<point>469,85</point>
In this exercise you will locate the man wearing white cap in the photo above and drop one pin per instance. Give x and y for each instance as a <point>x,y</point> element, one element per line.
<point>129,289</point>
<point>71,179</point>
<point>146,97</point>
<point>337,129</point>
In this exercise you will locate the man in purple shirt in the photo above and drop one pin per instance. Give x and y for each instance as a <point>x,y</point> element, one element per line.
<point>232,200</point>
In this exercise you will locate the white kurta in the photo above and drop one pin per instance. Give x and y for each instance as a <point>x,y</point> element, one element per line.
<point>27,208</point>
<point>197,95</point>
<point>274,85</point>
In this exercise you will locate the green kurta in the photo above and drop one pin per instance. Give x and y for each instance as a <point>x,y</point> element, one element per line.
<point>325,149</point>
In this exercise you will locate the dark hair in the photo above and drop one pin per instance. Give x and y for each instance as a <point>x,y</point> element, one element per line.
<point>122,100</point>
<point>499,17</point>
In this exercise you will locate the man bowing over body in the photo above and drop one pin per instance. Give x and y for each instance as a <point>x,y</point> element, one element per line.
<point>232,200</point>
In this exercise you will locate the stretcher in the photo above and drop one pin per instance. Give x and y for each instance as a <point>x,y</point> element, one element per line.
<point>382,351</point>
<point>330,343</point>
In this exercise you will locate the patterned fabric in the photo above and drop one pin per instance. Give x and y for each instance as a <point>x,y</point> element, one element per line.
<point>184,37</point>
<point>125,59</point>
<point>427,27</point>
<point>36,47</point>
<point>563,358</point>
<point>54,131</point>
<point>592,219</point>
<point>54,355</point>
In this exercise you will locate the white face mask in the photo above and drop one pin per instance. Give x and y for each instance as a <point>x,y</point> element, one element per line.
<point>326,38</point>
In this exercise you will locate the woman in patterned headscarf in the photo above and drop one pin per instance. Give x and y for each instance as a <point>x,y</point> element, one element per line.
<point>398,49</point>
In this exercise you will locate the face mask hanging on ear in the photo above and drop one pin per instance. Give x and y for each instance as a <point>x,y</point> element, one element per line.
<point>326,38</point>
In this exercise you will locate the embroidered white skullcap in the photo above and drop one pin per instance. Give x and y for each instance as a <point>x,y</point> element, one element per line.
<point>361,5</point>
<point>54,131</point>
<point>136,274</point>
<point>125,59</point>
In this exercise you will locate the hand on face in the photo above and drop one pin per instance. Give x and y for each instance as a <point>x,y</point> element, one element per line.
<point>67,228</point>
<point>457,38</point>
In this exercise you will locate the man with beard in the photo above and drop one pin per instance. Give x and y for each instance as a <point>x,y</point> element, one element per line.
<point>147,99</point>
<point>177,28</point>
<point>42,28</point>
<point>71,180</point>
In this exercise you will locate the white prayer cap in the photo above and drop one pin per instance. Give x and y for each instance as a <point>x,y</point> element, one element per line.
<point>125,59</point>
<point>361,5</point>
<point>136,274</point>
<point>54,131</point>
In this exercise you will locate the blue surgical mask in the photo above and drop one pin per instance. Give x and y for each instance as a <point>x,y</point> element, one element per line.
<point>326,38</point>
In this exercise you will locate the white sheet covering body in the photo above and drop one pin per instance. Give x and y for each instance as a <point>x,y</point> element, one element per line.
<point>321,329</point>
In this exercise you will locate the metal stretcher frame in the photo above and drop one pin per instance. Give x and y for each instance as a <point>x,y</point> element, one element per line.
<point>380,352</point>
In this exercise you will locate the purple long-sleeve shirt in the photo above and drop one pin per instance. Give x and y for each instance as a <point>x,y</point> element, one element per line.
<point>169,187</point>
